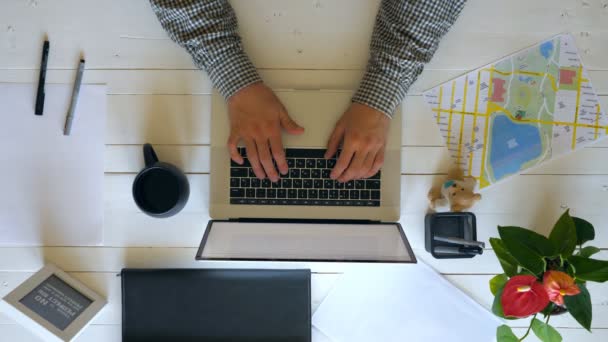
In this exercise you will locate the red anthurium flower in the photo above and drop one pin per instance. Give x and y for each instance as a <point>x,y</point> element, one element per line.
<point>523,296</point>
<point>559,284</point>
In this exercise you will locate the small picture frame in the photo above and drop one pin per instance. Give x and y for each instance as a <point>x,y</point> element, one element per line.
<point>53,305</point>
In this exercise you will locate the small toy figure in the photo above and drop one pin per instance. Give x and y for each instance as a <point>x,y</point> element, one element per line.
<point>458,194</point>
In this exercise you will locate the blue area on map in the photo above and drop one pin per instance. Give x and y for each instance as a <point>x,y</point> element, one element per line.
<point>513,144</point>
<point>525,79</point>
<point>546,48</point>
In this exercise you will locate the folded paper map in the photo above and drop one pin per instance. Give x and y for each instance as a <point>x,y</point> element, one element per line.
<point>516,113</point>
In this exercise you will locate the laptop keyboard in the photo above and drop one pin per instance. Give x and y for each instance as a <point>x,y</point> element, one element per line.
<point>307,183</point>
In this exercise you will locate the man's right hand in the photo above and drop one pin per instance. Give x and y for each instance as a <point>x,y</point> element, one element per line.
<point>257,117</point>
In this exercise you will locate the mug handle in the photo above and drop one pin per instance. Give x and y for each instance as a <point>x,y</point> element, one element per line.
<point>150,157</point>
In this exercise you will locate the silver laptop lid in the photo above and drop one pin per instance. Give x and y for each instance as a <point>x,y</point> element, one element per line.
<point>305,241</point>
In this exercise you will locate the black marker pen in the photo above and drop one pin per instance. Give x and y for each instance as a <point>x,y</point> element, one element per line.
<point>42,79</point>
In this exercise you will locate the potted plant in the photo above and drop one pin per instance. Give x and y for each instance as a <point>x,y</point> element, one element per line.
<point>545,276</point>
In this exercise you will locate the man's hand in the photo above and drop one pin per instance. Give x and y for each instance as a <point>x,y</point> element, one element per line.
<point>256,117</point>
<point>363,131</point>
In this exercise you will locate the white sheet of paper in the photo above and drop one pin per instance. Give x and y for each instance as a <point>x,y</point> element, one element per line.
<point>401,303</point>
<point>51,184</point>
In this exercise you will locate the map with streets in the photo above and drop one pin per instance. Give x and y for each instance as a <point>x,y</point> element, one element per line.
<point>514,114</point>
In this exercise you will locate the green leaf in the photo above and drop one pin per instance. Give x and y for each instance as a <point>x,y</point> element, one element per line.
<point>524,271</point>
<point>570,270</point>
<point>505,334</point>
<point>584,231</point>
<point>588,251</point>
<point>525,256</point>
<point>589,269</point>
<point>545,332</point>
<point>497,283</point>
<point>579,307</point>
<point>497,304</point>
<point>536,242</point>
<point>508,263</point>
<point>563,236</point>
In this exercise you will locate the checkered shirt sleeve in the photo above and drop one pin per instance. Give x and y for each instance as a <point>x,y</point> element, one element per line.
<point>208,31</point>
<point>406,35</point>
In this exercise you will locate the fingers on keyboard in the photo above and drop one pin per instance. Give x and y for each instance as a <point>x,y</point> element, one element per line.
<point>306,183</point>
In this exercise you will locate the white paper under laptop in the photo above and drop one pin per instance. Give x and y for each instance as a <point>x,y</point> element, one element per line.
<point>394,303</point>
<point>51,184</point>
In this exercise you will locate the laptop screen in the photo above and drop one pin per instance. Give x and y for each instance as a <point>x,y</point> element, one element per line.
<point>294,241</point>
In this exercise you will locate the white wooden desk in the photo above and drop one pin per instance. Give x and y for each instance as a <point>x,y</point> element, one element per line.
<point>156,95</point>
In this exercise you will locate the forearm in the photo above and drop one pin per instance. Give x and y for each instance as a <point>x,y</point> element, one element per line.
<point>406,35</point>
<point>208,31</point>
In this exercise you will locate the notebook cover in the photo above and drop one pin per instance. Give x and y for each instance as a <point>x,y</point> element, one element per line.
<point>216,305</point>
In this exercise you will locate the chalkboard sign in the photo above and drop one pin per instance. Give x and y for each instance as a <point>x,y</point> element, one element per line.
<point>54,305</point>
<point>56,301</point>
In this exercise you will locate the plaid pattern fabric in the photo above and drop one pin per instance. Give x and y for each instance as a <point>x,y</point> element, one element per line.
<point>208,31</point>
<point>406,35</point>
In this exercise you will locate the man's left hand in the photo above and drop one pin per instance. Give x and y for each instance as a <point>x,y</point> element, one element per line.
<point>363,131</point>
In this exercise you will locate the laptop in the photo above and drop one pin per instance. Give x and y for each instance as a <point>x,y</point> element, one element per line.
<point>306,215</point>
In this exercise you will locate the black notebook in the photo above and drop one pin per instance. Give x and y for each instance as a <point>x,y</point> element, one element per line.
<point>216,305</point>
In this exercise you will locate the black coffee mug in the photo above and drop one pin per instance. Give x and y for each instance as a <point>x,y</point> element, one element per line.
<point>160,189</point>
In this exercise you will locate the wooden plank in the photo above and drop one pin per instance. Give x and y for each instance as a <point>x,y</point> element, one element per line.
<point>513,17</point>
<point>196,82</point>
<point>119,197</point>
<point>133,228</point>
<point>130,81</point>
<point>475,49</point>
<point>485,264</point>
<point>113,333</point>
<point>129,158</point>
<point>103,31</point>
<point>297,34</point>
<point>185,119</point>
<point>100,333</point>
<point>187,228</point>
<point>159,119</point>
<point>427,160</point>
<point>545,196</point>
<point>113,259</point>
<point>92,333</point>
